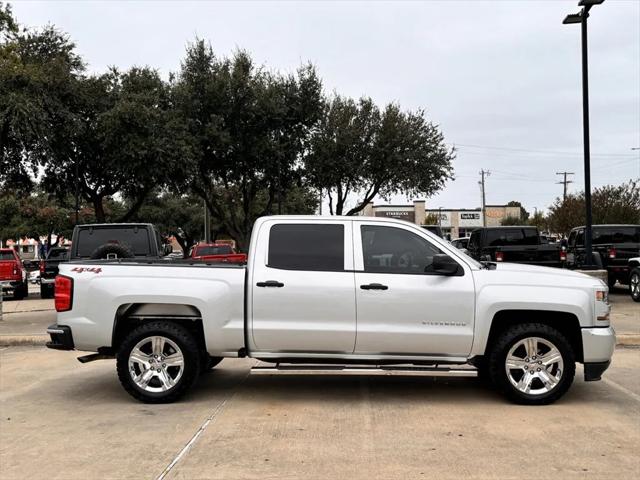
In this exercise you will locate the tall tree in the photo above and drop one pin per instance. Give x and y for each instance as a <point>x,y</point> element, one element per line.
<point>359,150</point>
<point>247,130</point>
<point>37,72</point>
<point>610,204</point>
<point>119,139</point>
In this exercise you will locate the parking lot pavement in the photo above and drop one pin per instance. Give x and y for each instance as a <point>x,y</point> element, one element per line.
<point>625,313</point>
<point>60,419</point>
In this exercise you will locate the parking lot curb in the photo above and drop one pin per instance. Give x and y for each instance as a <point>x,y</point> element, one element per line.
<point>628,339</point>
<point>19,340</point>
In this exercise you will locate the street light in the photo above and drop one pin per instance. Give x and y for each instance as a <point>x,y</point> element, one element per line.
<point>581,18</point>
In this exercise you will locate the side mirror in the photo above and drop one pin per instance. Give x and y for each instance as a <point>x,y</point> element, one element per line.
<point>444,265</point>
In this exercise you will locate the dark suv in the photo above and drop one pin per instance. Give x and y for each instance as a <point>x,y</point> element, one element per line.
<point>614,244</point>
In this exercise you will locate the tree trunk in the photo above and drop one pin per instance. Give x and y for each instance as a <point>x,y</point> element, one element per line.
<point>98,207</point>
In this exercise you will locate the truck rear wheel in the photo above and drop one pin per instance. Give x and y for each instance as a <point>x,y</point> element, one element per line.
<point>158,362</point>
<point>532,364</point>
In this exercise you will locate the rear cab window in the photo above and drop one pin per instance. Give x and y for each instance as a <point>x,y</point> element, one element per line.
<point>609,235</point>
<point>136,238</point>
<point>504,237</point>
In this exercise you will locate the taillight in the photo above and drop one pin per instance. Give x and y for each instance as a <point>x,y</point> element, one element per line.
<point>563,255</point>
<point>612,252</point>
<point>63,293</point>
<point>499,256</point>
<point>41,265</point>
<point>15,270</point>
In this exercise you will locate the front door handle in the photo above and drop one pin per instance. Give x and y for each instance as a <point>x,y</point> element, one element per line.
<point>374,286</point>
<point>270,283</point>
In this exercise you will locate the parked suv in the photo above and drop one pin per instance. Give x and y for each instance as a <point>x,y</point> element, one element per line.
<point>614,244</point>
<point>13,276</point>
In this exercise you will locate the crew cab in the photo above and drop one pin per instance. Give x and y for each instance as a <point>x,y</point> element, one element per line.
<point>614,244</point>
<point>217,252</point>
<point>13,276</point>
<point>352,292</point>
<point>49,270</point>
<point>517,244</point>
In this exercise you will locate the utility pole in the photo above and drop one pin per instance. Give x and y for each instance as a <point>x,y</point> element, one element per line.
<point>207,224</point>
<point>564,182</point>
<point>483,174</point>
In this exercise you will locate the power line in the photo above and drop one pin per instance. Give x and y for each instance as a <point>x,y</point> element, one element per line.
<point>549,152</point>
<point>564,182</point>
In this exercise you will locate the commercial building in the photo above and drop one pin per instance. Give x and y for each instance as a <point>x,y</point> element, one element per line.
<point>456,222</point>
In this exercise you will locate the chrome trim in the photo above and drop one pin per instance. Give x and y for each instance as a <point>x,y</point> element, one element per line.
<point>356,370</point>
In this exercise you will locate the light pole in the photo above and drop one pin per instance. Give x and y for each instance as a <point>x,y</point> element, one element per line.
<point>581,18</point>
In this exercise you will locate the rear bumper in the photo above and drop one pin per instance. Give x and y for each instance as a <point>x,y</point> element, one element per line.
<point>47,281</point>
<point>61,337</point>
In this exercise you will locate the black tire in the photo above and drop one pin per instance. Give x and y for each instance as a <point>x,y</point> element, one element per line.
<point>174,332</point>
<point>634,282</point>
<point>46,292</point>
<point>611,281</point>
<point>21,292</point>
<point>209,363</point>
<point>120,251</point>
<point>507,339</point>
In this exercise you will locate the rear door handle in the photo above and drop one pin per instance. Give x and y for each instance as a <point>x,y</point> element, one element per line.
<point>270,283</point>
<point>374,286</point>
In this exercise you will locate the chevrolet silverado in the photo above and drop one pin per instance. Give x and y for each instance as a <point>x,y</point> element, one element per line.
<point>381,295</point>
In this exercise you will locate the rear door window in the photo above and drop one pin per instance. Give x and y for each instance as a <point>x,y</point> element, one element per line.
<point>530,236</point>
<point>311,247</point>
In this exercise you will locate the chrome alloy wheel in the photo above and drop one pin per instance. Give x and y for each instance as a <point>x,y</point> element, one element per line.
<point>156,364</point>
<point>534,366</point>
<point>635,284</point>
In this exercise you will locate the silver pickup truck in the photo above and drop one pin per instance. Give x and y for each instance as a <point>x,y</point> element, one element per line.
<point>358,293</point>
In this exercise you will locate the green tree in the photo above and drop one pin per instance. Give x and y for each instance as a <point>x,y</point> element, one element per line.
<point>119,139</point>
<point>524,215</point>
<point>511,220</point>
<point>359,150</point>
<point>610,204</point>
<point>37,72</point>
<point>539,220</point>
<point>247,129</point>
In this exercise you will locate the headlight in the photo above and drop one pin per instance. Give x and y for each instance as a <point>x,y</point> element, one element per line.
<point>602,296</point>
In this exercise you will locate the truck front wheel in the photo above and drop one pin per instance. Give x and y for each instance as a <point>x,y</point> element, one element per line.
<point>532,364</point>
<point>158,362</point>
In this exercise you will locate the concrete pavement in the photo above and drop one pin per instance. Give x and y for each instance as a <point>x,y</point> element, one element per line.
<point>61,419</point>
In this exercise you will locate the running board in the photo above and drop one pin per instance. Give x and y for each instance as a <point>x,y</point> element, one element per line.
<point>280,369</point>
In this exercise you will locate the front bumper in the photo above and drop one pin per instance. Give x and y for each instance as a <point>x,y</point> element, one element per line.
<point>594,371</point>
<point>61,337</point>
<point>598,344</point>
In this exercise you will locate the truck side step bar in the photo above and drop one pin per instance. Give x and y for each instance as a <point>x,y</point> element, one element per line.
<point>430,371</point>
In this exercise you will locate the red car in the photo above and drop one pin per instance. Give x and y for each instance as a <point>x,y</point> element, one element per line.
<point>217,252</point>
<point>13,276</point>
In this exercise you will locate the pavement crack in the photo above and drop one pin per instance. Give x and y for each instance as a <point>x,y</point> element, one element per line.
<point>202,428</point>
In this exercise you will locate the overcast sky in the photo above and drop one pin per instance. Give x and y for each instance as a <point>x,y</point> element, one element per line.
<point>501,78</point>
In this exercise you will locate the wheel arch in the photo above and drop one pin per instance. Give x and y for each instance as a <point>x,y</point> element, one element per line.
<point>129,316</point>
<point>565,322</point>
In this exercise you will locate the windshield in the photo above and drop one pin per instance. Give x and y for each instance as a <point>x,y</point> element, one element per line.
<point>7,256</point>
<point>214,250</point>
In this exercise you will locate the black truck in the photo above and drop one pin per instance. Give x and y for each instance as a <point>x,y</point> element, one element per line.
<point>613,246</point>
<point>517,244</point>
<point>49,270</point>
<point>103,241</point>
